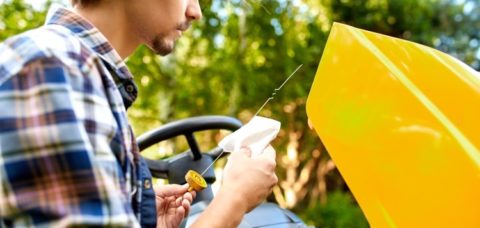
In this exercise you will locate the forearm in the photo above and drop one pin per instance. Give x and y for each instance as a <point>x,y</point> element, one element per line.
<point>226,210</point>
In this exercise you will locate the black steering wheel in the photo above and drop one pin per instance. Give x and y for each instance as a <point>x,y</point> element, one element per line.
<point>175,167</point>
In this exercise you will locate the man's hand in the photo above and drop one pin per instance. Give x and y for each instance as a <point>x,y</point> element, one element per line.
<point>173,204</point>
<point>246,183</point>
<point>252,179</point>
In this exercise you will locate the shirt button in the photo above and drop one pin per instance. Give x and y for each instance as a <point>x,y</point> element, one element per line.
<point>129,88</point>
<point>147,184</point>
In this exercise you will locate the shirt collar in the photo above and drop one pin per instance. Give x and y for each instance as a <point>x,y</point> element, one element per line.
<point>90,36</point>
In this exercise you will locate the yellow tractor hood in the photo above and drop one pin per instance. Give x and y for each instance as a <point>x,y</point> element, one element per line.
<point>402,123</point>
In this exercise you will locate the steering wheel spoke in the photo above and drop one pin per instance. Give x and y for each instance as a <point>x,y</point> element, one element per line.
<point>174,168</point>
<point>192,143</point>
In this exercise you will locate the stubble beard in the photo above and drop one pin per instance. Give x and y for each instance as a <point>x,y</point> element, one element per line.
<point>160,44</point>
<point>161,47</point>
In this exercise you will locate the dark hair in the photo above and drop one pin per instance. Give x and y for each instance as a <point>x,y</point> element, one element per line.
<point>84,2</point>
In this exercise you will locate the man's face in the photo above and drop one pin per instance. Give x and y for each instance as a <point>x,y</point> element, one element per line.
<point>159,23</point>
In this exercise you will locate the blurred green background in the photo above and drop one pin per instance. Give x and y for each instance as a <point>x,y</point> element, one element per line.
<point>230,62</point>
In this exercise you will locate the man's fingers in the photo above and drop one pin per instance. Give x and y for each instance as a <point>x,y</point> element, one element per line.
<point>171,190</point>
<point>269,153</point>
<point>246,151</point>
<point>178,201</point>
<point>186,206</point>
<point>188,196</point>
<point>181,212</point>
<point>274,182</point>
<point>187,212</point>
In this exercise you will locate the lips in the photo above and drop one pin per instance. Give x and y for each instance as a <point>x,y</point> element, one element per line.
<point>183,27</point>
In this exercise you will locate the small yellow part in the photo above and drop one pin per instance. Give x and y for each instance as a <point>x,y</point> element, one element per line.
<point>195,181</point>
<point>402,123</point>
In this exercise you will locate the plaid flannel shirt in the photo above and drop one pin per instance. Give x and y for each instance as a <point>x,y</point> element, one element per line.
<point>67,153</point>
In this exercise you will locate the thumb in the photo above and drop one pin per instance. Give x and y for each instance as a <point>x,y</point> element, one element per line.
<point>171,190</point>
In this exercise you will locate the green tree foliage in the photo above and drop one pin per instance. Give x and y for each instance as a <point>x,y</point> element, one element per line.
<point>340,212</point>
<point>17,16</point>
<point>230,62</point>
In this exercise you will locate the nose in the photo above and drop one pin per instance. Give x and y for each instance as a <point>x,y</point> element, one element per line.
<point>194,12</point>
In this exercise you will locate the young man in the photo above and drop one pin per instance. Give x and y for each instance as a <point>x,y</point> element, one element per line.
<point>67,153</point>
